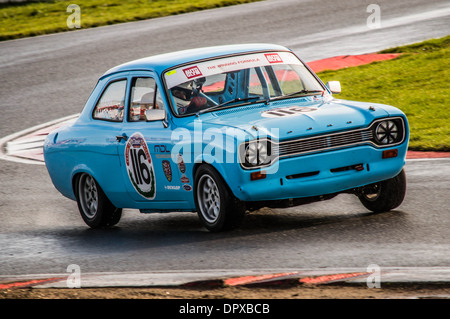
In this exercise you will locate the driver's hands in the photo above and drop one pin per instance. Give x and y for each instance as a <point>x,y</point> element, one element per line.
<point>198,101</point>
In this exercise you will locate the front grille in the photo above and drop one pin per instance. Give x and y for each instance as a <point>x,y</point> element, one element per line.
<point>322,143</point>
<point>325,142</point>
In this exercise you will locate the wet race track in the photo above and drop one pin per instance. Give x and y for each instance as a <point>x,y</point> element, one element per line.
<point>51,77</point>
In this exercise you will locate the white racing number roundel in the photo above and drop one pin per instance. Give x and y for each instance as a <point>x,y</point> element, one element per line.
<point>139,166</point>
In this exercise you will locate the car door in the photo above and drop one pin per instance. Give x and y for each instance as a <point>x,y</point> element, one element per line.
<point>99,143</point>
<point>145,148</point>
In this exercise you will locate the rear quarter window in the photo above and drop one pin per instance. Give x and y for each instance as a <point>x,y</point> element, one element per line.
<point>110,106</point>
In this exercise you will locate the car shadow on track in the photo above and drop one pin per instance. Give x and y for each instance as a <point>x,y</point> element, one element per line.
<point>164,231</point>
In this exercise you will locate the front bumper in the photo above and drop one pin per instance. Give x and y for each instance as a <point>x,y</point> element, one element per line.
<point>320,174</point>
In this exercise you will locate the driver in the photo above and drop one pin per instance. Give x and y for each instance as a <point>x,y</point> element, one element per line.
<point>196,102</point>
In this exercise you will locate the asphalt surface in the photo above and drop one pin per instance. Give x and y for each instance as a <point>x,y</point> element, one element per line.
<point>49,77</point>
<point>41,232</point>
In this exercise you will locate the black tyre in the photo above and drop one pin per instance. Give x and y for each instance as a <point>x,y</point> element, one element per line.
<point>217,207</point>
<point>95,208</point>
<point>385,195</point>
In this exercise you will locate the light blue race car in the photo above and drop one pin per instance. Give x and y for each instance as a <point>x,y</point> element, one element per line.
<point>220,131</point>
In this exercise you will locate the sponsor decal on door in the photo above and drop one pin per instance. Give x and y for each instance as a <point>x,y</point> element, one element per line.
<point>140,166</point>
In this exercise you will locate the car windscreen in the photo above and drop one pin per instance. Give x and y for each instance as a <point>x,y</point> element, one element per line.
<point>238,80</point>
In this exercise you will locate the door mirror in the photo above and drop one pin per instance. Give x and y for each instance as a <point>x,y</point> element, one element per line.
<point>334,86</point>
<point>155,115</point>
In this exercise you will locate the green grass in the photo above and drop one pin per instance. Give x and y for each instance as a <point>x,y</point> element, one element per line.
<point>417,82</point>
<point>18,20</point>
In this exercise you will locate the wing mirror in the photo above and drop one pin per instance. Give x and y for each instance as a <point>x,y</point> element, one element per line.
<point>334,86</point>
<point>156,115</point>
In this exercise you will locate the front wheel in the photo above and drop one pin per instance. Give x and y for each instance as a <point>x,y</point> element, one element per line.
<point>385,195</point>
<point>217,207</point>
<point>95,208</point>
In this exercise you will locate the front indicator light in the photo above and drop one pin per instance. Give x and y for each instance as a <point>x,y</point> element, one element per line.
<point>257,175</point>
<point>390,153</point>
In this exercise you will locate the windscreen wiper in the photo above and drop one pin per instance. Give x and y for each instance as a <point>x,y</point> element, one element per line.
<point>296,93</point>
<point>212,108</point>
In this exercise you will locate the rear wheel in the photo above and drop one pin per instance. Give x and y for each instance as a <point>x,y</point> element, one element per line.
<point>217,207</point>
<point>95,208</point>
<point>385,195</point>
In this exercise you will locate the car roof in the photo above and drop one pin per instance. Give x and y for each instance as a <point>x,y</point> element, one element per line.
<point>161,62</point>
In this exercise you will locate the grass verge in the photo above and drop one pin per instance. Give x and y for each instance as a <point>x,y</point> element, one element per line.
<point>416,82</point>
<point>31,18</point>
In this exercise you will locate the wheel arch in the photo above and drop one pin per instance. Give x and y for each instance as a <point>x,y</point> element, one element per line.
<point>218,168</point>
<point>77,172</point>
<point>111,183</point>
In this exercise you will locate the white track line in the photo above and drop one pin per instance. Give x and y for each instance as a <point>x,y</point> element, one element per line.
<point>7,143</point>
<point>181,277</point>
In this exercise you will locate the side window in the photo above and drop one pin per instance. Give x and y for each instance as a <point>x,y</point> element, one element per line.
<point>159,103</point>
<point>111,104</point>
<point>144,96</point>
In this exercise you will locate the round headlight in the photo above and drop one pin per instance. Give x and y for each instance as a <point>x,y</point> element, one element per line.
<point>256,153</point>
<point>387,132</point>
